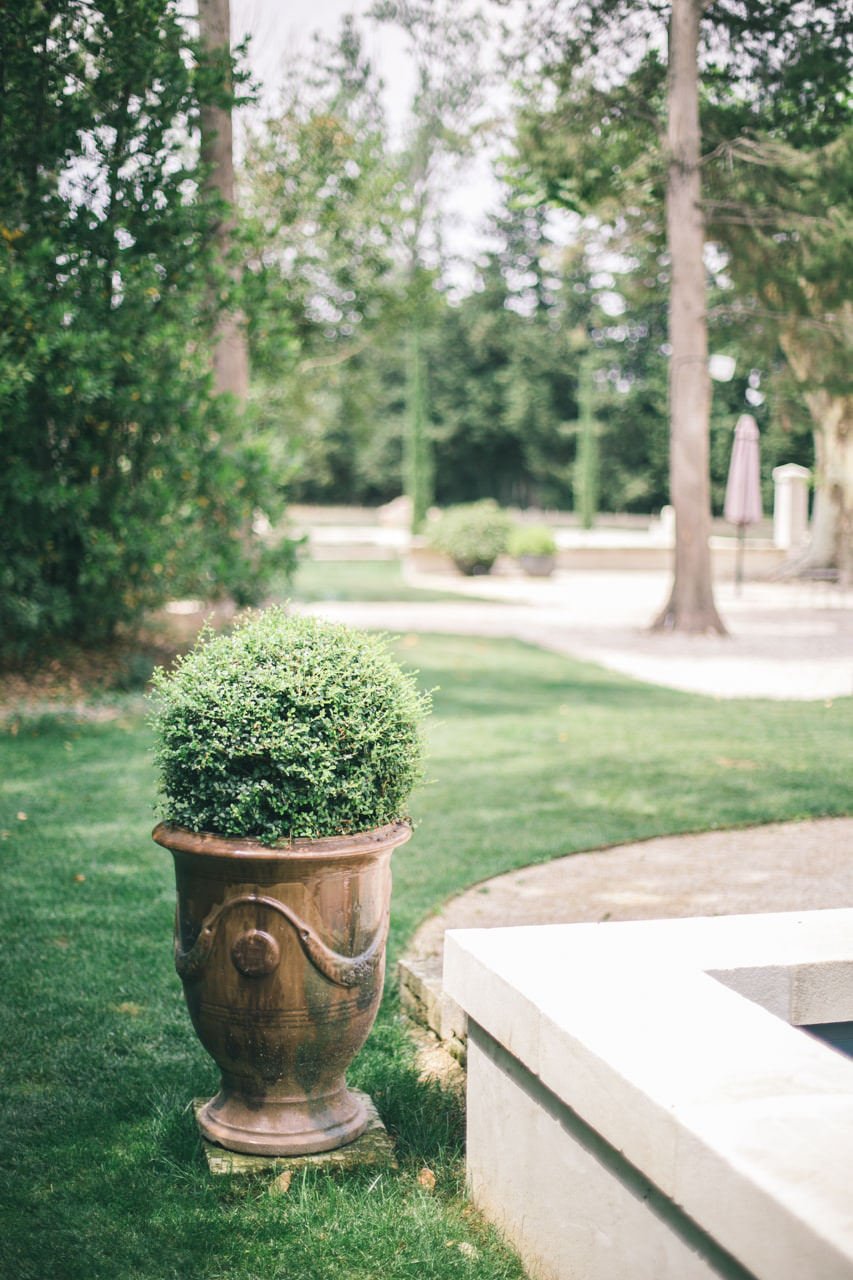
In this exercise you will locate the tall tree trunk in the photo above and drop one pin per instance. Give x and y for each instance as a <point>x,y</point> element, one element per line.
<point>231,353</point>
<point>832,520</point>
<point>831,542</point>
<point>691,603</point>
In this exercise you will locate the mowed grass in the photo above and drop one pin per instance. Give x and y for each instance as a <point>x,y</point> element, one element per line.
<point>532,756</point>
<point>373,580</point>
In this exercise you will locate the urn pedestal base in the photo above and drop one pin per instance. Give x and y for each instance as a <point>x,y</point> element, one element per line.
<point>283,1127</point>
<point>372,1150</point>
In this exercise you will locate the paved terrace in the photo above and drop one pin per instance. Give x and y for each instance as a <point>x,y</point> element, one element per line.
<point>788,640</point>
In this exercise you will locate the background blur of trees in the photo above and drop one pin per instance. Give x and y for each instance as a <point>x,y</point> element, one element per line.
<point>324,182</point>
<point>777,144</point>
<point>541,380</point>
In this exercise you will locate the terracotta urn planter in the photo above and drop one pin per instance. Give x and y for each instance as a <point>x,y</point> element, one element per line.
<point>281,951</point>
<point>274,741</point>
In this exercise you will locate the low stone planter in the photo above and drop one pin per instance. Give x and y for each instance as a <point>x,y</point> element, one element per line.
<point>537,566</point>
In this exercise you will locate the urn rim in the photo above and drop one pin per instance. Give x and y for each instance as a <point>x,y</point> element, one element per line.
<point>209,844</point>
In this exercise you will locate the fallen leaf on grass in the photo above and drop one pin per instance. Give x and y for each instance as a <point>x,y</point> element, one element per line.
<point>128,1006</point>
<point>726,763</point>
<point>426,1179</point>
<point>281,1184</point>
<point>22,817</point>
<point>79,878</point>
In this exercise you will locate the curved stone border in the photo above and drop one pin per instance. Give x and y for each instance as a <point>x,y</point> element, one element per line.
<point>787,866</point>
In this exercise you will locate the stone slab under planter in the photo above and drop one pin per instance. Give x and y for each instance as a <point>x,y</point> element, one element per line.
<point>374,1150</point>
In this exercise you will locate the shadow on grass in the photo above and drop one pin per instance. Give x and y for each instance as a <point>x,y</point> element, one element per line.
<point>426,1121</point>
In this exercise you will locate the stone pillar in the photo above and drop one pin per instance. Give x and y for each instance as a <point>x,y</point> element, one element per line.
<point>667,526</point>
<point>790,505</point>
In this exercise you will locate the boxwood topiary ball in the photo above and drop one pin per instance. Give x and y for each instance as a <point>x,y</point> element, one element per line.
<point>287,727</point>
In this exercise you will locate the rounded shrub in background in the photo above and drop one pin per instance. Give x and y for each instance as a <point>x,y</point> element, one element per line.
<point>473,534</point>
<point>287,727</point>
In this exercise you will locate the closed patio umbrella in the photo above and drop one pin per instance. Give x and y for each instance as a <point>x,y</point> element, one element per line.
<point>743,488</point>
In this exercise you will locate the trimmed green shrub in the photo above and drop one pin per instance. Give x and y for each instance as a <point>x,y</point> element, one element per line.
<point>287,727</point>
<point>473,534</point>
<point>123,480</point>
<point>531,540</point>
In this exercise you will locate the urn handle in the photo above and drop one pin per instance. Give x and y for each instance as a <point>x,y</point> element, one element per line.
<point>344,971</point>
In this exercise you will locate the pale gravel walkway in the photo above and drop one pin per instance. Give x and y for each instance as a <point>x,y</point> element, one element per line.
<point>786,640</point>
<point>791,866</point>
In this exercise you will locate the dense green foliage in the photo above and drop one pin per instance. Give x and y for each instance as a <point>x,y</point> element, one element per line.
<point>322,295</point>
<point>287,727</point>
<point>473,534</point>
<point>445,117</point>
<point>122,480</point>
<point>499,369</point>
<point>504,375</point>
<point>346,225</point>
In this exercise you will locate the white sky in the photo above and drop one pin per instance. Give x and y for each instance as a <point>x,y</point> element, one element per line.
<point>278,29</point>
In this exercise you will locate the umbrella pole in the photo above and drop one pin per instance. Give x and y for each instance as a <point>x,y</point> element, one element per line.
<point>741,537</point>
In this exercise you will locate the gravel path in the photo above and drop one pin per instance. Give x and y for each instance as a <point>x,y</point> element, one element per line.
<point>790,866</point>
<point>786,640</point>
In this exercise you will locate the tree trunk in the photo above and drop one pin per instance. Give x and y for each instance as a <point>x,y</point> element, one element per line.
<point>231,354</point>
<point>831,542</point>
<point>691,604</point>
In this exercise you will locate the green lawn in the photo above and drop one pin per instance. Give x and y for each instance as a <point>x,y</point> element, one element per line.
<point>355,580</point>
<point>533,756</point>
